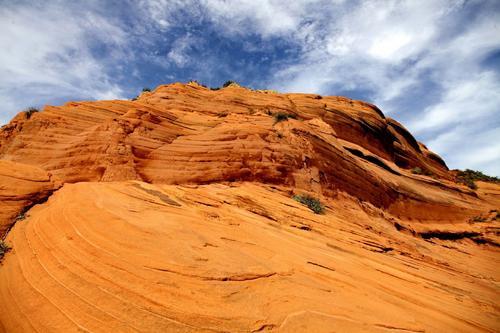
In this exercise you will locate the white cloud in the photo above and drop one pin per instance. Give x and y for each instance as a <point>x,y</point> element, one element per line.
<point>266,17</point>
<point>238,17</point>
<point>362,46</point>
<point>475,99</point>
<point>387,46</point>
<point>178,53</point>
<point>163,12</point>
<point>463,147</point>
<point>46,54</point>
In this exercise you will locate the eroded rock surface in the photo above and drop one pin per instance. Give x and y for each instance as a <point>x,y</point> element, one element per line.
<point>176,214</point>
<point>131,256</point>
<point>190,134</point>
<point>21,186</point>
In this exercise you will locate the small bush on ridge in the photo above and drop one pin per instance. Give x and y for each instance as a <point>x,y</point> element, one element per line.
<point>227,83</point>
<point>4,248</point>
<point>281,116</point>
<point>313,203</point>
<point>30,111</point>
<point>420,171</point>
<point>468,176</point>
<point>416,171</point>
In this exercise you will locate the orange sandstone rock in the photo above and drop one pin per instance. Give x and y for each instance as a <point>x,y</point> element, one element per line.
<point>176,214</point>
<point>21,186</point>
<point>131,256</point>
<point>190,134</point>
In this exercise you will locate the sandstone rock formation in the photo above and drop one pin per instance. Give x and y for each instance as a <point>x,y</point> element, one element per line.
<point>174,212</point>
<point>21,186</point>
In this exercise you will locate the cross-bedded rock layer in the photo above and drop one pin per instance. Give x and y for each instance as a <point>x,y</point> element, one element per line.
<point>176,214</point>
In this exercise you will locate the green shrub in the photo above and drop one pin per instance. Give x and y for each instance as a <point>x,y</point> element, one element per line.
<point>281,116</point>
<point>146,89</point>
<point>468,182</point>
<point>20,217</point>
<point>227,83</point>
<point>198,83</point>
<point>416,171</point>
<point>468,177</point>
<point>420,171</point>
<point>4,248</point>
<point>313,203</point>
<point>478,219</point>
<point>30,111</point>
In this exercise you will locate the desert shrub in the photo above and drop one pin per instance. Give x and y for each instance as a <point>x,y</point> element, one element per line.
<point>281,116</point>
<point>478,219</point>
<point>468,182</point>
<point>146,89</point>
<point>198,83</point>
<point>420,171</point>
<point>214,88</point>
<point>227,83</point>
<point>318,97</point>
<point>468,177</point>
<point>30,111</point>
<point>416,171</point>
<point>4,248</point>
<point>20,217</point>
<point>313,203</point>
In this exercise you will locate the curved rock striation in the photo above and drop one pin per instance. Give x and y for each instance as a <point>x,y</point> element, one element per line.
<point>131,256</point>
<point>21,186</point>
<point>190,134</point>
<point>174,212</point>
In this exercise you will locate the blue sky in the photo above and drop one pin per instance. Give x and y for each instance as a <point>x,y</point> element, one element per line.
<point>432,65</point>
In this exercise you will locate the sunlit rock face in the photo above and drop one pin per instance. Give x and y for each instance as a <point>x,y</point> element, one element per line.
<point>175,212</point>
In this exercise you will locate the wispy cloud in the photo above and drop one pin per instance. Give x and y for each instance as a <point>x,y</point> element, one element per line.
<point>180,49</point>
<point>482,151</point>
<point>48,50</point>
<point>476,99</point>
<point>266,17</point>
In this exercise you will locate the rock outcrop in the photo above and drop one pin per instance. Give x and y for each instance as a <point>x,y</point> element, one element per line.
<point>174,212</point>
<point>21,186</point>
<point>190,134</point>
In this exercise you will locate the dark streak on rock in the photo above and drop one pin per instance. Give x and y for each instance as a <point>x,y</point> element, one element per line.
<point>322,266</point>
